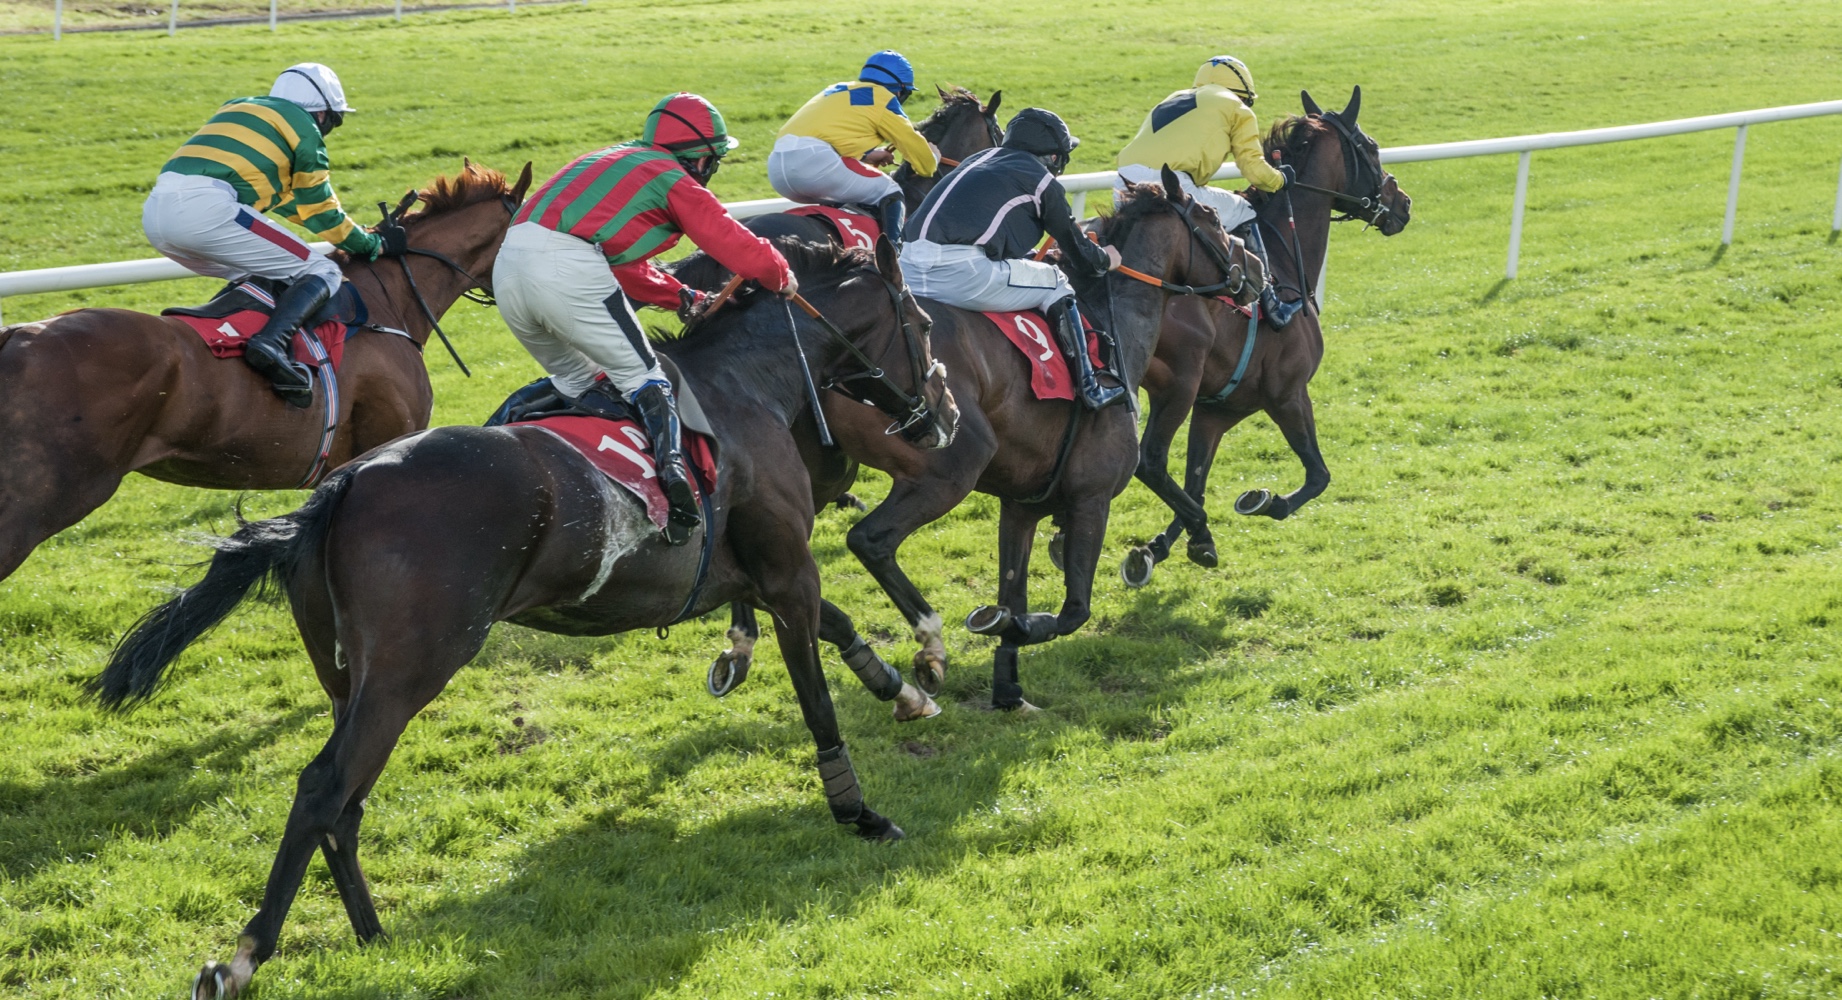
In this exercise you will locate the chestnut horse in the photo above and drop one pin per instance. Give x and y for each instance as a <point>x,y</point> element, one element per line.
<point>90,396</point>
<point>1206,369</point>
<point>401,562</point>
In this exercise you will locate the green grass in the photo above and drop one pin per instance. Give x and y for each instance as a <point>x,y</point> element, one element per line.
<point>1540,699</point>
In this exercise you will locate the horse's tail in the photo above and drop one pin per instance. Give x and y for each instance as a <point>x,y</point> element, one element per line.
<point>259,552</point>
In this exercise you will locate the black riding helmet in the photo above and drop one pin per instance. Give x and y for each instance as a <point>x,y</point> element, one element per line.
<point>1043,134</point>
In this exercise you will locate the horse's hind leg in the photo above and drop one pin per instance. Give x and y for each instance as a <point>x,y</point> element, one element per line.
<point>880,678</point>
<point>38,501</point>
<point>1167,412</point>
<point>1299,425</point>
<point>731,666</point>
<point>1010,619</point>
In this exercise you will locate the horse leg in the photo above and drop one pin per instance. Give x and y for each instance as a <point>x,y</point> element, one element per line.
<point>1010,619</point>
<point>37,501</point>
<point>1300,427</point>
<point>774,552</point>
<point>878,677</point>
<point>911,504</point>
<point>1207,425</point>
<point>1165,416</point>
<point>731,666</point>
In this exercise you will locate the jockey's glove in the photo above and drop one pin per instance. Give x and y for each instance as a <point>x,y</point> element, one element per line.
<point>393,239</point>
<point>1286,171</point>
<point>691,305</point>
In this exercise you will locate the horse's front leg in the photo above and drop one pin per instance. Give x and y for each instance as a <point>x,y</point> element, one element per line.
<point>1300,427</point>
<point>731,666</point>
<point>1207,425</point>
<point>1010,619</point>
<point>877,676</point>
<point>1168,409</point>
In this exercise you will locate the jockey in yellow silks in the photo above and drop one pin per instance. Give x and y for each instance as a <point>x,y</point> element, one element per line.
<point>1194,132</point>
<point>830,149</point>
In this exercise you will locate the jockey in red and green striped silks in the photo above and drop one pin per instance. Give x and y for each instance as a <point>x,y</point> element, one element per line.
<point>581,249</point>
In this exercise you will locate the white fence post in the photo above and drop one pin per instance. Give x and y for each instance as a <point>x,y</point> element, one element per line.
<point>1323,272</point>
<point>1079,204</point>
<point>172,20</point>
<point>1835,224</point>
<point>1733,187</point>
<point>511,6</point>
<point>272,5</point>
<point>399,10</point>
<point>57,22</point>
<point>1515,215</point>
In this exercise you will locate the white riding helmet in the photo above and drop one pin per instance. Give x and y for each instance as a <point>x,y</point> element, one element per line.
<point>312,86</point>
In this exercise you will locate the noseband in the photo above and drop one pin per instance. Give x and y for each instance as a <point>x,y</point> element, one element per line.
<point>913,410</point>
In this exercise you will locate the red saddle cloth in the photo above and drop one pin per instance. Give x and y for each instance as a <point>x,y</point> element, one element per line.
<point>855,229</point>
<point>620,449</point>
<point>1030,332</point>
<point>227,336</point>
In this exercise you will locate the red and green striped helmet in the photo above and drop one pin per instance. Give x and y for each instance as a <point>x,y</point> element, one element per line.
<point>689,126</point>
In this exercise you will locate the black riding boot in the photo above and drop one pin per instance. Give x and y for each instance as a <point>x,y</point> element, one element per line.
<point>1276,313</point>
<point>270,351</point>
<point>660,415</point>
<point>891,213</point>
<point>1066,320</point>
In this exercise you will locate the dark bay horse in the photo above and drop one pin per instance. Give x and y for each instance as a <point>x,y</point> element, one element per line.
<point>399,564</point>
<point>1203,345</point>
<point>1041,459</point>
<point>92,395</point>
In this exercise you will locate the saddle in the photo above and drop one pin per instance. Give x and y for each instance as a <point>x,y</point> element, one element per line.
<point>239,310</point>
<point>856,225</point>
<point>1029,332</point>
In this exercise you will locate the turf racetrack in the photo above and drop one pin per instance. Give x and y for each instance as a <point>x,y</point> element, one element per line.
<point>1540,699</point>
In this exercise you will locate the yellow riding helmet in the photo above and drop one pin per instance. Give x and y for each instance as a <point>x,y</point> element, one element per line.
<point>1228,72</point>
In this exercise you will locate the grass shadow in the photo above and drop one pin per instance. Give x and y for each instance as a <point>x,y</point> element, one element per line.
<point>1494,291</point>
<point>1719,253</point>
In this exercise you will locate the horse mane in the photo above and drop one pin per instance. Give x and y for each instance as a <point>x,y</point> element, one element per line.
<point>1293,134</point>
<point>1137,202</point>
<point>819,265</point>
<point>951,103</point>
<point>471,186</point>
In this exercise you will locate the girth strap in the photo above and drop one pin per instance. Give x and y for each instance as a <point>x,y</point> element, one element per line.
<point>329,379</point>
<point>1247,353</point>
<point>705,550</point>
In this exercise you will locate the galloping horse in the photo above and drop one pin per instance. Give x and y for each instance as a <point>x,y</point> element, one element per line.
<point>1039,458</point>
<point>1207,368</point>
<point>92,395</point>
<point>401,562</point>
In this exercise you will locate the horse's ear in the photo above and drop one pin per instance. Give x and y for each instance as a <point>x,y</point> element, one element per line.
<point>942,91</point>
<point>996,96</point>
<point>888,262</point>
<point>1173,188</point>
<point>1354,107</point>
<point>466,164</point>
<point>1311,106</point>
<point>524,183</point>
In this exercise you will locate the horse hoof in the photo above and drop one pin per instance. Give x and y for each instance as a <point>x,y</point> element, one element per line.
<point>1253,502</point>
<point>727,672</point>
<point>930,672</point>
<point>1203,554</point>
<point>1056,545</point>
<point>988,619</point>
<point>214,982</point>
<point>879,829</point>
<point>849,501</point>
<point>913,703</point>
<point>1135,569</point>
<point>1021,708</point>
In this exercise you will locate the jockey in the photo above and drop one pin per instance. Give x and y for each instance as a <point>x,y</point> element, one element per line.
<point>581,249</point>
<point>830,149</point>
<point>969,242</point>
<point>261,154</point>
<point>1195,131</point>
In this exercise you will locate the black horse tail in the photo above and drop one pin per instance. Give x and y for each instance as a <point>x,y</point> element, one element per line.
<point>260,552</point>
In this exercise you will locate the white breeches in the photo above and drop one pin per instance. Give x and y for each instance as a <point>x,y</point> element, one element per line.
<point>198,222</point>
<point>963,276</point>
<point>809,170</point>
<point>1235,211</point>
<point>564,305</point>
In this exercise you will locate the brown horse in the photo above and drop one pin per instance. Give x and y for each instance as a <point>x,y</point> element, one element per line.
<point>1041,459</point>
<point>401,562</point>
<point>90,396</point>
<point>1206,368</point>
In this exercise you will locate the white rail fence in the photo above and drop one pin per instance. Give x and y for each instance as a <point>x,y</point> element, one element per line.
<point>61,279</point>
<point>173,24</point>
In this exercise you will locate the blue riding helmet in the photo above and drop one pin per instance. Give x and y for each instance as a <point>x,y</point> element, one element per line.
<point>890,69</point>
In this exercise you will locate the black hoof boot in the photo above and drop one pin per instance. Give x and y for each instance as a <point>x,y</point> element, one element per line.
<point>1006,690</point>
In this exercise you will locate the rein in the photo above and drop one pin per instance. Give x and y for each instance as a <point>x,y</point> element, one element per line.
<point>916,410</point>
<point>393,217</point>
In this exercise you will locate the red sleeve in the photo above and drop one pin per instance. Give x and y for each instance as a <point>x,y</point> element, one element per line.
<point>646,284</point>
<point>717,233</point>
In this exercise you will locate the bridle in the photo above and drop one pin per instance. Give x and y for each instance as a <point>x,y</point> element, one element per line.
<point>1367,174</point>
<point>1234,275</point>
<point>393,217</point>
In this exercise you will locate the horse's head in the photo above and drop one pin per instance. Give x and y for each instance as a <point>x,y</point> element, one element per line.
<point>1165,234</point>
<point>959,127</point>
<point>1328,150</point>
<point>463,218</point>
